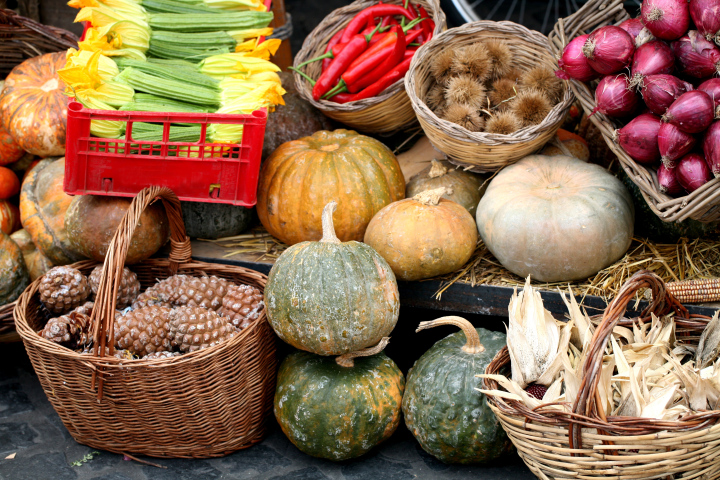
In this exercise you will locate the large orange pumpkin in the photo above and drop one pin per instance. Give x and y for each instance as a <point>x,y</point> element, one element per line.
<point>33,107</point>
<point>10,151</point>
<point>42,209</point>
<point>9,183</point>
<point>361,174</point>
<point>9,217</point>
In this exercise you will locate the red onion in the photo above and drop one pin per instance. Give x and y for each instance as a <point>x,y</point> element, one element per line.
<point>696,56</point>
<point>674,144</point>
<point>638,31</point>
<point>660,91</point>
<point>712,88</point>
<point>711,147</point>
<point>706,16</point>
<point>692,112</point>
<point>693,172</point>
<point>639,138</point>
<point>653,58</point>
<point>614,98</point>
<point>666,19</point>
<point>669,184</point>
<point>573,63</point>
<point>609,49</point>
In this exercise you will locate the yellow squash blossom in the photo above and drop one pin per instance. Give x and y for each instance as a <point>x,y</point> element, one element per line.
<point>227,64</point>
<point>86,81</point>
<point>263,50</point>
<point>256,5</point>
<point>242,35</point>
<point>124,7</point>
<point>102,16</point>
<point>119,35</point>
<point>107,69</point>
<point>102,128</point>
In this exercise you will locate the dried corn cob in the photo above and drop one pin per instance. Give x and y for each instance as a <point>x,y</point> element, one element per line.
<point>696,291</point>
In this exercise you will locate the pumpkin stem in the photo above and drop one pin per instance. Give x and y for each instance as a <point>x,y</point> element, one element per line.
<point>347,359</point>
<point>328,228</point>
<point>432,197</point>
<point>437,169</point>
<point>472,345</point>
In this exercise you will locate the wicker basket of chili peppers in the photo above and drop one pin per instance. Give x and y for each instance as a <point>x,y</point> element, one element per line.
<point>352,65</point>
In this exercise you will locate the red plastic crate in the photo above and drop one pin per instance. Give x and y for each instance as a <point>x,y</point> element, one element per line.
<point>194,171</point>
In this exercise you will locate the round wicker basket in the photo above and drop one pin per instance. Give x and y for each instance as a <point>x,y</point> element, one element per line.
<point>388,112</point>
<point>478,151</point>
<point>703,204</point>
<point>206,403</point>
<point>587,444</point>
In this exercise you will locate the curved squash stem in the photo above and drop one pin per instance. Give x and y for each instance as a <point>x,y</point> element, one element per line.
<point>472,345</point>
<point>347,359</point>
<point>432,197</point>
<point>328,228</point>
<point>437,169</point>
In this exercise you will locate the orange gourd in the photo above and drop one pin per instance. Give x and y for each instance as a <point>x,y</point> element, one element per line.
<point>9,183</point>
<point>33,107</point>
<point>9,217</point>
<point>10,151</point>
<point>43,204</point>
<point>296,182</point>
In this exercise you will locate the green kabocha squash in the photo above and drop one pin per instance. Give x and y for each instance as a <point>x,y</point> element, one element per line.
<point>465,188</point>
<point>442,408</point>
<point>14,276</point>
<point>331,297</point>
<point>339,408</point>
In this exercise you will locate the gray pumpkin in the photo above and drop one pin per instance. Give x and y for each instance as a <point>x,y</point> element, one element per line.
<point>215,220</point>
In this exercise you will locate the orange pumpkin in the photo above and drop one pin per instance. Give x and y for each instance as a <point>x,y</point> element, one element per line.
<point>10,151</point>
<point>42,209</point>
<point>13,273</point>
<point>296,182</point>
<point>33,107</point>
<point>9,217</point>
<point>36,263</point>
<point>9,183</point>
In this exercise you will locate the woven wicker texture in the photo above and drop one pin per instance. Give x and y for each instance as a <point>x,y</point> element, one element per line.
<point>388,112</point>
<point>22,38</point>
<point>584,444</point>
<point>704,203</point>
<point>7,324</point>
<point>202,404</point>
<point>484,152</point>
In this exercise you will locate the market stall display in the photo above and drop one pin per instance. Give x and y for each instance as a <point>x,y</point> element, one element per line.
<point>386,107</point>
<point>455,427</point>
<point>665,67</point>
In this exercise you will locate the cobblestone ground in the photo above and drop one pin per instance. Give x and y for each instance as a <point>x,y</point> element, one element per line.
<point>43,448</point>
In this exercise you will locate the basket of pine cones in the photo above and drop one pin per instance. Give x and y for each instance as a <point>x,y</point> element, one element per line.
<point>486,93</point>
<point>169,358</point>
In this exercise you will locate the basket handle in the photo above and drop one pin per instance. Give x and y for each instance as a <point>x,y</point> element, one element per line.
<point>103,313</point>
<point>663,303</point>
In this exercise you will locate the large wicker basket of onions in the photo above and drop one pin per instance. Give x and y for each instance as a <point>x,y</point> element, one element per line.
<point>656,99</point>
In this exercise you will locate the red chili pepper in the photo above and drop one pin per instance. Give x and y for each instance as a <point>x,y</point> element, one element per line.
<point>335,50</point>
<point>359,78</point>
<point>327,79</point>
<point>429,25</point>
<point>384,44</point>
<point>368,15</point>
<point>333,41</point>
<point>409,53</point>
<point>342,98</point>
<point>384,82</point>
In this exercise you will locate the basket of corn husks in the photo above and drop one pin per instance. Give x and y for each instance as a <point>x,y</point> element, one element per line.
<point>620,398</point>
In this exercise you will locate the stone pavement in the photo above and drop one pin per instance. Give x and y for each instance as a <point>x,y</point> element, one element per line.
<point>30,428</point>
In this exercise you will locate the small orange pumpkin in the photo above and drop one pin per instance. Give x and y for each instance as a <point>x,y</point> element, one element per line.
<point>33,107</point>
<point>9,183</point>
<point>10,151</point>
<point>36,263</point>
<point>9,217</point>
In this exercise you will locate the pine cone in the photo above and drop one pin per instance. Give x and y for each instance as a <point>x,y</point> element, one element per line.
<point>144,330</point>
<point>184,290</point>
<point>195,328</point>
<point>241,305</point>
<point>62,289</point>
<point>161,355</point>
<point>127,291</point>
<point>121,354</point>
<point>150,298</point>
<point>71,330</point>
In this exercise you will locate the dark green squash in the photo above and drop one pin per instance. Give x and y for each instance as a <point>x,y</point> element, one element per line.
<point>14,276</point>
<point>215,220</point>
<point>339,408</point>
<point>330,297</point>
<point>448,416</point>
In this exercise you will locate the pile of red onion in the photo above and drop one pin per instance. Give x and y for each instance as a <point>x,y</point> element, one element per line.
<point>659,74</point>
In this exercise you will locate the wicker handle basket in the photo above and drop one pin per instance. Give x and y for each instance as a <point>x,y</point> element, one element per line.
<point>386,113</point>
<point>703,204</point>
<point>206,403</point>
